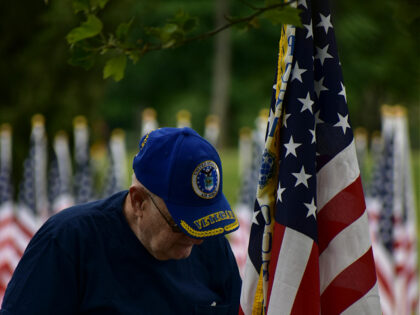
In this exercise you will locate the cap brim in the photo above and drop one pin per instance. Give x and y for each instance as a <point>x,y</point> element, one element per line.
<point>204,222</point>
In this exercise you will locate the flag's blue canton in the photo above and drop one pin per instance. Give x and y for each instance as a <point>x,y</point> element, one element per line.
<point>384,190</point>
<point>54,185</point>
<point>6,188</point>
<point>111,185</point>
<point>27,189</point>
<point>83,180</point>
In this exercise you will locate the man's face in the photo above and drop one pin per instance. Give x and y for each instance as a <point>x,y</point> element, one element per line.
<point>158,236</point>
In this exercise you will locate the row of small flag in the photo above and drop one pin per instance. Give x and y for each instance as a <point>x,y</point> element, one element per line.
<point>50,186</point>
<point>47,188</point>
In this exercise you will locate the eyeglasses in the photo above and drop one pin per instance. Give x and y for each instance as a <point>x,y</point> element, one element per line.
<point>175,228</point>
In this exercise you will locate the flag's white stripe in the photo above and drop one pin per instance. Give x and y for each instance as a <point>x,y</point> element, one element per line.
<point>336,175</point>
<point>28,219</point>
<point>386,302</point>
<point>343,250</point>
<point>368,304</point>
<point>13,233</point>
<point>9,256</point>
<point>293,258</point>
<point>383,261</point>
<point>249,287</point>
<point>385,267</point>
<point>6,211</point>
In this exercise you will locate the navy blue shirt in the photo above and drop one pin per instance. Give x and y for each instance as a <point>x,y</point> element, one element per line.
<point>87,260</point>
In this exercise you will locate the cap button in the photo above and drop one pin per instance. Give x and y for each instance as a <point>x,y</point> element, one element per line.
<point>185,131</point>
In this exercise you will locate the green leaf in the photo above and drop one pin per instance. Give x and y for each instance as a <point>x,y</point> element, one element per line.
<point>81,57</point>
<point>286,15</point>
<point>90,28</point>
<point>169,29</point>
<point>184,21</point>
<point>80,6</point>
<point>123,29</point>
<point>134,56</point>
<point>98,3</point>
<point>115,67</point>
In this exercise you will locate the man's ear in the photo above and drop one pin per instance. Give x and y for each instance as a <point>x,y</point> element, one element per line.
<point>138,195</point>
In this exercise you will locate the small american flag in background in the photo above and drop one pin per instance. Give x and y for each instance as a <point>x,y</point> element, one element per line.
<point>392,218</point>
<point>117,175</point>
<point>83,180</point>
<point>60,176</point>
<point>310,250</point>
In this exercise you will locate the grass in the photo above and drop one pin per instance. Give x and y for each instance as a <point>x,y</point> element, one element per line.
<point>231,180</point>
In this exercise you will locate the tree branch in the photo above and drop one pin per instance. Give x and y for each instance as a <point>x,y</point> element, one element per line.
<point>206,35</point>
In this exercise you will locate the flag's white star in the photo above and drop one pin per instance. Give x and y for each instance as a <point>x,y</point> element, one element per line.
<point>313,135</point>
<point>285,116</point>
<point>291,147</point>
<point>322,54</point>
<point>306,102</point>
<point>319,86</point>
<point>254,218</point>
<point>309,28</point>
<point>311,208</point>
<point>343,122</point>
<point>325,22</point>
<point>297,72</point>
<point>280,192</point>
<point>318,119</point>
<point>343,91</point>
<point>302,177</point>
<point>303,3</point>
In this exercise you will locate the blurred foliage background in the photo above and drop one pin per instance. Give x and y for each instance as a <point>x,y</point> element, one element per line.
<point>377,41</point>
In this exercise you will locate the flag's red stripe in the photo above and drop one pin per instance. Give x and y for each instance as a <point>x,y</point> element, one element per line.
<point>28,232</point>
<point>342,210</point>
<point>4,222</point>
<point>12,219</point>
<point>277,240</point>
<point>6,269</point>
<point>307,297</point>
<point>241,312</point>
<point>349,286</point>
<point>385,285</point>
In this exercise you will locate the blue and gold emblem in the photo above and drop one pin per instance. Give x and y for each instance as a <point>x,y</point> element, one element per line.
<point>206,179</point>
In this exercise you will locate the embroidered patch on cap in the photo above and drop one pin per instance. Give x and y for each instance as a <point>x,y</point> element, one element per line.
<point>206,179</point>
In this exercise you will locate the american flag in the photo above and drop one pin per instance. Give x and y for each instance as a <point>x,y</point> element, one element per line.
<point>392,218</point>
<point>33,194</point>
<point>249,180</point>
<point>60,176</point>
<point>310,250</point>
<point>16,229</point>
<point>251,147</point>
<point>117,176</point>
<point>83,180</point>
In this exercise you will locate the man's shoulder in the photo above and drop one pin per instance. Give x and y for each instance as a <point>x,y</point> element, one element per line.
<point>83,217</point>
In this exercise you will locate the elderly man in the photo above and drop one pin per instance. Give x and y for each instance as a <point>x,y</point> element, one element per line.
<point>157,249</point>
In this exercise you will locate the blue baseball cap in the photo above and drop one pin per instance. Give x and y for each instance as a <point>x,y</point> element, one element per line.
<point>185,170</point>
